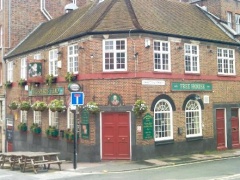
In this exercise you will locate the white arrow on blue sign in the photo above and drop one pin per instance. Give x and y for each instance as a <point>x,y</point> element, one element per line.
<point>77,98</point>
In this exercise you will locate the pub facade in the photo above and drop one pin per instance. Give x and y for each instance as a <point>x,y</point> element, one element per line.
<point>145,91</point>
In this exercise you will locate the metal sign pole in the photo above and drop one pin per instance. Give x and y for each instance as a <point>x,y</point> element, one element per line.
<point>75,139</point>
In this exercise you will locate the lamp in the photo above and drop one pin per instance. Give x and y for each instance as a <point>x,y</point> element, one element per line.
<point>37,84</point>
<point>80,48</point>
<point>91,56</point>
<point>59,52</point>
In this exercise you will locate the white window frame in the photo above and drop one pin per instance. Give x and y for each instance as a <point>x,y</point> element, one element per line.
<point>237,21</point>
<point>70,120</point>
<point>229,19</point>
<point>37,117</point>
<point>226,61</point>
<point>23,68</point>
<point>73,63</point>
<point>53,59</point>
<point>164,109</point>
<point>161,54</point>
<point>10,71</point>
<point>192,55</point>
<point>193,108</point>
<point>1,36</point>
<point>112,49</point>
<point>53,119</point>
<point>23,115</point>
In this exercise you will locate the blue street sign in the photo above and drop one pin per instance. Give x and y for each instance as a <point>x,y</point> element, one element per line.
<point>77,98</point>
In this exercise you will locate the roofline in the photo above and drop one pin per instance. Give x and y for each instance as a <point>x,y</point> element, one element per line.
<point>123,32</point>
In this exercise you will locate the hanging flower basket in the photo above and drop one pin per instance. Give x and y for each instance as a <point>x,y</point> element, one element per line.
<point>24,106</point>
<point>139,107</point>
<point>35,128</point>
<point>92,107</point>
<point>52,131</point>
<point>39,106</point>
<point>22,127</point>
<point>13,105</point>
<point>57,105</point>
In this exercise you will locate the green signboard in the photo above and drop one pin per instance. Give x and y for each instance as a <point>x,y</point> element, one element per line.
<point>148,126</point>
<point>85,116</point>
<point>46,91</point>
<point>197,86</point>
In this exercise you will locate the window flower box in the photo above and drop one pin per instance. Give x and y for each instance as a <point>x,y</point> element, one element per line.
<point>35,128</point>
<point>69,135</point>
<point>52,132</point>
<point>22,127</point>
<point>8,84</point>
<point>24,106</point>
<point>51,79</point>
<point>22,82</point>
<point>70,77</point>
<point>39,106</point>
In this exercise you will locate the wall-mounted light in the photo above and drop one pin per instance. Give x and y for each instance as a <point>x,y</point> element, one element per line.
<point>210,51</point>
<point>80,48</point>
<point>59,52</point>
<point>37,84</point>
<point>91,56</point>
<point>136,55</point>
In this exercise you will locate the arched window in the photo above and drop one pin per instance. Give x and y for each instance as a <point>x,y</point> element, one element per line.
<point>163,120</point>
<point>193,119</point>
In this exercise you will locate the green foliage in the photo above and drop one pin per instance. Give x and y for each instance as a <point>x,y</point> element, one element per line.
<point>13,105</point>
<point>39,106</point>
<point>22,82</point>
<point>70,77</point>
<point>50,79</point>
<point>57,105</point>
<point>8,84</point>
<point>35,128</point>
<point>22,127</point>
<point>24,106</point>
<point>52,131</point>
<point>139,107</point>
<point>92,107</point>
<point>69,134</point>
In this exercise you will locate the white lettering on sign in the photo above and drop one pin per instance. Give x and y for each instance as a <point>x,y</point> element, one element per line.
<point>154,82</point>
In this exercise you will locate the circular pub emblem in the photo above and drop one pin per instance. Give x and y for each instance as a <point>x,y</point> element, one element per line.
<point>74,87</point>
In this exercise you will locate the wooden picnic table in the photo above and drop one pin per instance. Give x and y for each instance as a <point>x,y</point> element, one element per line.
<point>30,160</point>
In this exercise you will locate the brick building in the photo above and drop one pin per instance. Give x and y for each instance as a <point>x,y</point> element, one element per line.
<point>173,56</point>
<point>17,20</point>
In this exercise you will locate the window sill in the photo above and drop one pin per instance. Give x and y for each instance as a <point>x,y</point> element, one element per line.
<point>227,75</point>
<point>194,138</point>
<point>192,73</point>
<point>157,143</point>
<point>162,72</point>
<point>115,72</point>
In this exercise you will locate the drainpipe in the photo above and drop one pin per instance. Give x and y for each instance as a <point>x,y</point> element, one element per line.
<point>44,11</point>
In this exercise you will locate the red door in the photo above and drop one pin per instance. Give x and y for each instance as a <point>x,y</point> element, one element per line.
<point>115,136</point>
<point>235,128</point>
<point>220,123</point>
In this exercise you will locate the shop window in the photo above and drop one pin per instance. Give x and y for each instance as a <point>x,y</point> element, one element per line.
<point>193,119</point>
<point>73,59</point>
<point>23,116</point>
<point>162,56</point>
<point>226,61</point>
<point>163,123</point>
<point>115,55</point>
<point>191,56</point>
